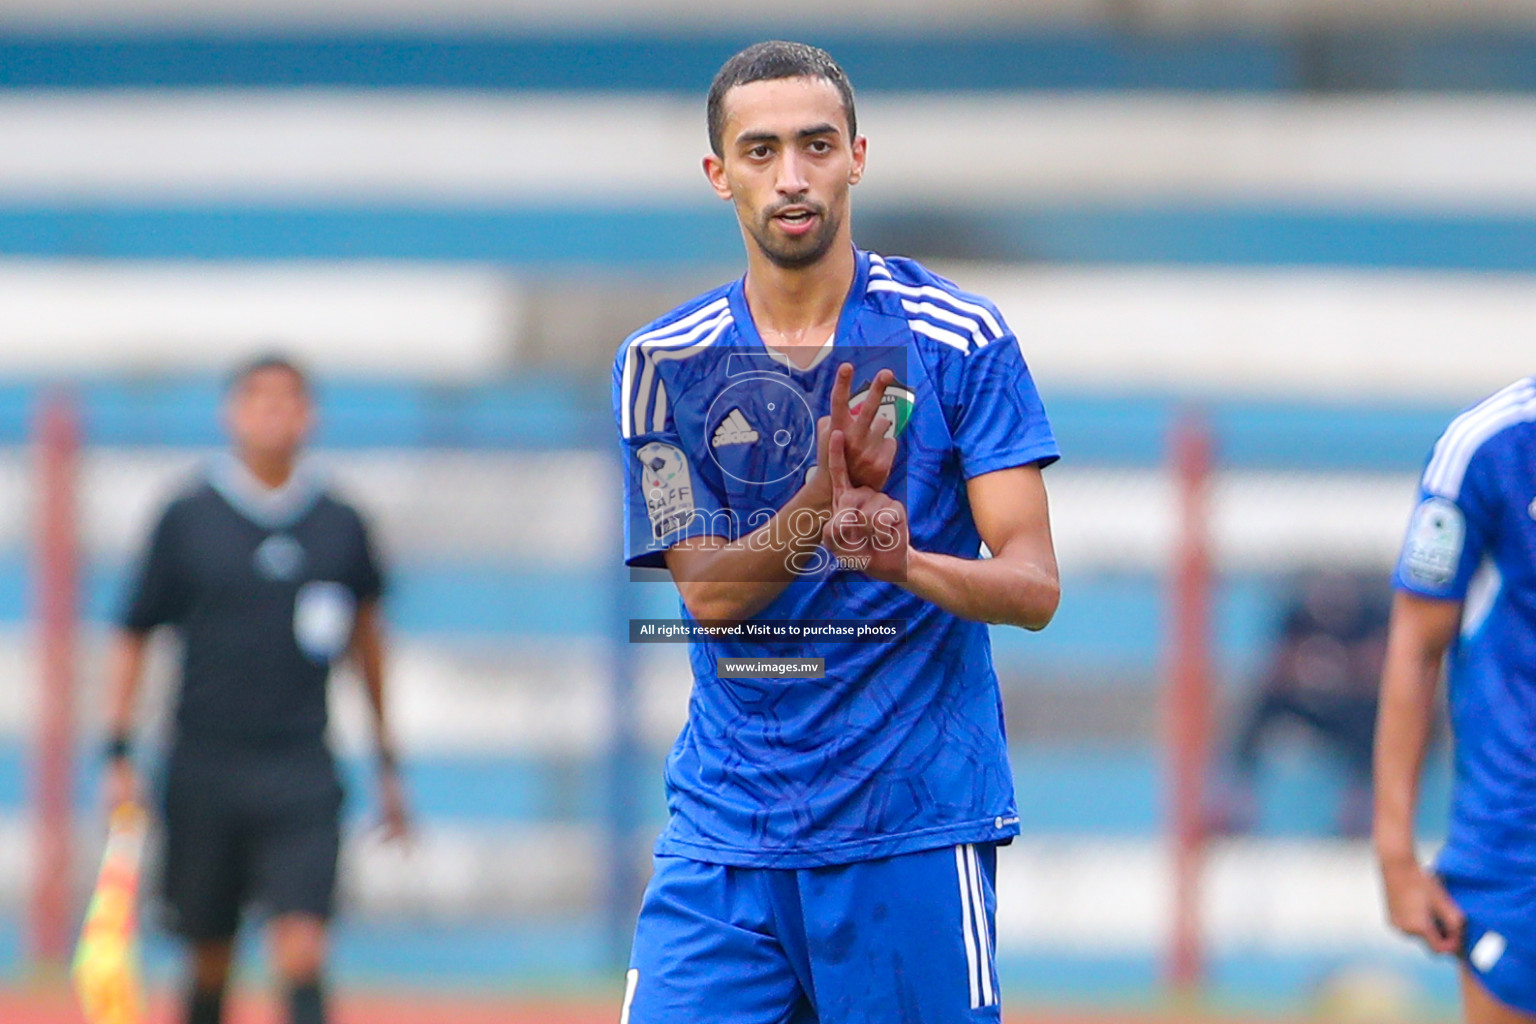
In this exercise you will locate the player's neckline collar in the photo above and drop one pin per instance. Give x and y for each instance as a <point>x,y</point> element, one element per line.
<point>823,350</point>
<point>842,333</point>
<point>271,508</point>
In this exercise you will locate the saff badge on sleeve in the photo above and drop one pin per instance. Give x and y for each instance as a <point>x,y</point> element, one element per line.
<point>667,487</point>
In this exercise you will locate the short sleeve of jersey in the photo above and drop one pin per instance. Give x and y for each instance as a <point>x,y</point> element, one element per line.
<point>1001,421</point>
<point>1447,536</point>
<point>666,499</point>
<point>157,595</point>
<point>367,576</point>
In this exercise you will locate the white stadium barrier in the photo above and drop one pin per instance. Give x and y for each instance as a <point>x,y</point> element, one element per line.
<point>1399,151</point>
<point>427,322</point>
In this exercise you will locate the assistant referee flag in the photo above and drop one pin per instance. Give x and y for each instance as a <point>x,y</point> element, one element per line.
<point>106,967</point>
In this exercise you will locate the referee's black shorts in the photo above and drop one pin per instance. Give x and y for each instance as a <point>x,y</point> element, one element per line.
<point>248,827</point>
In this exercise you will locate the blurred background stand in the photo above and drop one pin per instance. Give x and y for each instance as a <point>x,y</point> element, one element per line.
<point>1318,690</point>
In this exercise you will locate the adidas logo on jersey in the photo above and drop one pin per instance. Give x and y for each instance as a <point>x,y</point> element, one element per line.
<point>734,429</point>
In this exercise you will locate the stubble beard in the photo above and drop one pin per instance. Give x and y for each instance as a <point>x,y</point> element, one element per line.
<point>795,253</point>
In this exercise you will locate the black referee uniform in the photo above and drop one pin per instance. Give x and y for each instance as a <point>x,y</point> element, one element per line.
<point>263,587</point>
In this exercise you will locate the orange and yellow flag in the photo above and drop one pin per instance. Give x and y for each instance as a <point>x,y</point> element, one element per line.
<point>106,967</point>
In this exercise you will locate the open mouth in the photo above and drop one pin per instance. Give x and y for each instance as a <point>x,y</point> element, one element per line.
<point>796,219</point>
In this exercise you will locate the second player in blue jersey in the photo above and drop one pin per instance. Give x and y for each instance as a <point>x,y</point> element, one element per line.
<point>830,441</point>
<point>1466,599</point>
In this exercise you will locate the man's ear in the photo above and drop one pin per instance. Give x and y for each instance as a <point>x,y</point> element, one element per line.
<point>860,151</point>
<point>714,170</point>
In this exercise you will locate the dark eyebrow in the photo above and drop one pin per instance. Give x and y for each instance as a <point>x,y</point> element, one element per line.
<point>753,138</point>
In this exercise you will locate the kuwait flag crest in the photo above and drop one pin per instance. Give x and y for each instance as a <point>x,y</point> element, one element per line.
<point>895,406</point>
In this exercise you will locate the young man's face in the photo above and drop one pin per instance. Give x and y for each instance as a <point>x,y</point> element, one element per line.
<point>269,413</point>
<point>788,164</point>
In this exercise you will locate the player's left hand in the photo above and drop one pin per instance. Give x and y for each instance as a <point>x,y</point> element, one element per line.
<point>123,787</point>
<point>870,454</point>
<point>867,529</point>
<point>1419,906</point>
<point>394,819</point>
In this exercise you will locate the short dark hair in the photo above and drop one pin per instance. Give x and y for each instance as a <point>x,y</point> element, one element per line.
<point>266,361</point>
<point>766,62</point>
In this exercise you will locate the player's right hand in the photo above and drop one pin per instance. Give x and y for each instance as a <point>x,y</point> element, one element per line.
<point>122,786</point>
<point>1419,906</point>
<point>866,527</point>
<point>394,819</point>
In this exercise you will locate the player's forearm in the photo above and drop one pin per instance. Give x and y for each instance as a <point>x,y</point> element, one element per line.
<point>735,581</point>
<point>1405,719</point>
<point>126,669</point>
<point>1014,591</point>
<point>368,649</point>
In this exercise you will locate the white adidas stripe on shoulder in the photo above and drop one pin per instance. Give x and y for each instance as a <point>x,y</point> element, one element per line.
<point>683,323</point>
<point>943,309</point>
<point>938,333</point>
<point>947,317</point>
<point>955,303</point>
<point>954,306</point>
<point>707,338</point>
<point>678,331</point>
<point>651,354</point>
<point>679,340</point>
<point>1471,430</point>
<point>671,329</point>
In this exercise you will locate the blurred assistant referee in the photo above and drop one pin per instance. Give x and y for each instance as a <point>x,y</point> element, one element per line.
<point>269,580</point>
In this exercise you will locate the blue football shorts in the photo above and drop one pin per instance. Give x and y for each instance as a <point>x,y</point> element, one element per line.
<point>903,938</point>
<point>1505,965</point>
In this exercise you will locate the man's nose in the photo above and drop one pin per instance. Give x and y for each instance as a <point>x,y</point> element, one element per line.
<point>791,180</point>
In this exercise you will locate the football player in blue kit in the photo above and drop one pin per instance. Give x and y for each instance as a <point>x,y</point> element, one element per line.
<point>1466,587</point>
<point>832,437</point>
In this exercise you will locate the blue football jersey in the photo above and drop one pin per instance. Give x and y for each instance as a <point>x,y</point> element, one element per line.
<point>900,746</point>
<point>1472,539</point>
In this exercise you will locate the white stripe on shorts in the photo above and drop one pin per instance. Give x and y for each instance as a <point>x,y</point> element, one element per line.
<point>965,927</point>
<point>631,980</point>
<point>983,933</point>
<point>974,957</point>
